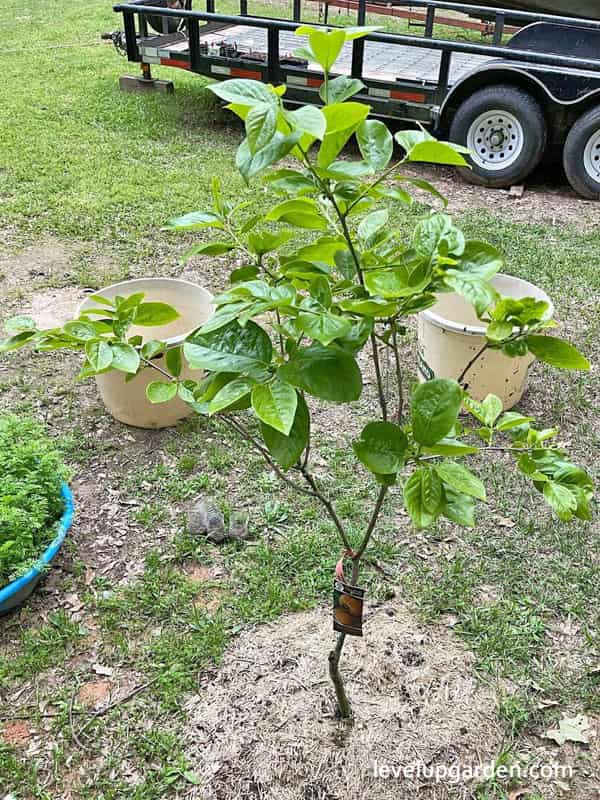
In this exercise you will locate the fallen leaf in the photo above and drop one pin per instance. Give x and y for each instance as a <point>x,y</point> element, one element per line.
<point>519,794</point>
<point>505,522</point>
<point>547,704</point>
<point>99,669</point>
<point>571,729</point>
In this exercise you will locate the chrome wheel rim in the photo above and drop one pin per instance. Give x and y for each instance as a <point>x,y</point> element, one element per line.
<point>591,157</point>
<point>496,140</point>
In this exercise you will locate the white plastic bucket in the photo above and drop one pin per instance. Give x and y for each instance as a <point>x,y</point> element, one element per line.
<point>127,401</point>
<point>449,335</point>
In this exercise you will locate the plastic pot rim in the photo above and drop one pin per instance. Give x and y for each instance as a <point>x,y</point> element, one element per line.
<point>49,554</point>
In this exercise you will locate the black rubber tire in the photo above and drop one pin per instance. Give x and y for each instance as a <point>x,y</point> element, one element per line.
<point>573,154</point>
<point>529,113</point>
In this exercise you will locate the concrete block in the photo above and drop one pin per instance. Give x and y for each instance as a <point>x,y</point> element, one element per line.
<point>131,83</point>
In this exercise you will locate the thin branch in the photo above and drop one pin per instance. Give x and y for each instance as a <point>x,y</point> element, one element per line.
<point>236,426</point>
<point>380,389</point>
<point>471,363</point>
<point>326,502</point>
<point>367,537</point>
<point>150,363</point>
<point>398,375</point>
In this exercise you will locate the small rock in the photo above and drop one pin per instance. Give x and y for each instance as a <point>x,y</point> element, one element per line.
<point>205,519</point>
<point>238,527</point>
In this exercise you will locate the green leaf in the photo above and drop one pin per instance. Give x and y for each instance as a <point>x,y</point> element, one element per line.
<point>225,315</point>
<point>461,479</point>
<point>20,324</point>
<point>208,249</point>
<point>398,282</point>
<point>99,354</point>
<point>150,314</point>
<point>375,143</point>
<point>82,331</point>
<point>233,396</point>
<point>152,348</point>
<point>244,92</point>
<point>261,242</point>
<point>261,124</point>
<point>301,212</point>
<point>340,89</point>
<point>160,392</point>
<point>324,327</point>
<point>560,499</point>
<point>251,164</point>
<point>459,508</point>
<point>379,309</point>
<point>450,447</point>
<point>512,419</point>
<point>192,221</point>
<point>480,259</point>
<point>308,119</point>
<point>342,121</point>
<point>557,352</point>
<point>371,225</point>
<point>382,447</point>
<point>230,349</point>
<point>497,331</point>
<point>423,496</point>
<point>431,232</point>
<point>352,32</point>
<point>290,181</point>
<point>487,411</point>
<point>17,341</point>
<point>275,404</point>
<point>476,291</point>
<point>125,358</point>
<point>434,409</point>
<point>174,361</point>
<point>434,152</point>
<point>326,372</point>
<point>243,274</point>
<point>326,45</point>
<point>409,139</point>
<point>286,450</point>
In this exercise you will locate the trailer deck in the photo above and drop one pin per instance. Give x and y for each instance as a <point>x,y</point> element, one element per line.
<point>383,62</point>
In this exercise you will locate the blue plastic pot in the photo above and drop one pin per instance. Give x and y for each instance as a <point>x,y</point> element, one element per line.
<point>20,589</point>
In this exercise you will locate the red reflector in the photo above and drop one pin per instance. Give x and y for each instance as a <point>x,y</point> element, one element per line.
<point>411,97</point>
<point>245,73</point>
<point>172,62</point>
<point>316,82</point>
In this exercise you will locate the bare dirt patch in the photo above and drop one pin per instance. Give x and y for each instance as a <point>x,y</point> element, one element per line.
<point>94,694</point>
<point>264,726</point>
<point>547,198</point>
<point>16,734</point>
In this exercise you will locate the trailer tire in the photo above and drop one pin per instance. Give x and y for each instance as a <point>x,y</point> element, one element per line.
<point>505,129</point>
<point>581,155</point>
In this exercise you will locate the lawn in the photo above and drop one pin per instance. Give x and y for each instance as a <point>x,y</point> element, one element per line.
<point>101,674</point>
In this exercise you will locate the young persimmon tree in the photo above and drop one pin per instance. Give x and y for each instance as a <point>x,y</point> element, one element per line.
<point>327,267</point>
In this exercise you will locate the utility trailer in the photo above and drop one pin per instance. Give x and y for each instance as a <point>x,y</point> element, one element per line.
<point>510,104</point>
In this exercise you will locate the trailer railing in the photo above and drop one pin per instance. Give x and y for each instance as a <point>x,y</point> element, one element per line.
<point>274,26</point>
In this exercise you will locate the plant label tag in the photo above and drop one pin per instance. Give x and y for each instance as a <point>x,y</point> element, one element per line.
<point>347,608</point>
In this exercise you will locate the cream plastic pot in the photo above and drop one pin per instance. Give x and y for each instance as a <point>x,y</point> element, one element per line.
<point>449,335</point>
<point>127,401</point>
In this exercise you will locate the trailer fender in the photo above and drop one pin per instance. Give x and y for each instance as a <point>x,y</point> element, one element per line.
<point>490,75</point>
<point>560,114</point>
